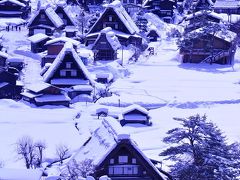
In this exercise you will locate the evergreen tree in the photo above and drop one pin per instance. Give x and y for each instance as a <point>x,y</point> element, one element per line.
<point>200,151</point>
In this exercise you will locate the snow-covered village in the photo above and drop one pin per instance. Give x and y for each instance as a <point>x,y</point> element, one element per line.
<point>119,89</point>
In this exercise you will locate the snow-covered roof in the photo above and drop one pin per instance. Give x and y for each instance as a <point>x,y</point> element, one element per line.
<point>111,38</point>
<point>37,37</point>
<point>63,5</point>
<point>15,59</point>
<point>68,47</point>
<point>52,98</point>
<point>20,174</point>
<point>221,4</point>
<point>108,76</point>
<point>37,87</point>
<point>123,16</point>
<point>14,2</point>
<point>199,13</point>
<point>103,140</point>
<point>133,107</point>
<point>54,18</point>
<point>63,39</point>
<point>3,54</point>
<point>226,35</point>
<point>209,1</point>
<point>30,94</point>
<point>83,87</point>
<point>3,84</point>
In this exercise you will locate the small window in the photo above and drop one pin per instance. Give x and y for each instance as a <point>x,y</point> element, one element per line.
<point>122,159</point>
<point>62,73</point>
<point>103,42</point>
<point>68,65</point>
<point>116,26</point>
<point>42,16</point>
<point>74,73</point>
<point>111,161</point>
<point>110,18</point>
<point>134,161</point>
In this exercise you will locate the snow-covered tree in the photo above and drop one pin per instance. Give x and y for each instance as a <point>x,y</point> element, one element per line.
<point>200,151</point>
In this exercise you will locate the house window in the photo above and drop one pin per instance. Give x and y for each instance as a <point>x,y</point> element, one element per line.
<point>111,161</point>
<point>42,16</point>
<point>131,1</point>
<point>110,18</point>
<point>125,1</point>
<point>63,73</point>
<point>74,73</point>
<point>134,161</point>
<point>116,26</point>
<point>124,170</point>
<point>122,159</point>
<point>68,65</point>
<point>103,42</point>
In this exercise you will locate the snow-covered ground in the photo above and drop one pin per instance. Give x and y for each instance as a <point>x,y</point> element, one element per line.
<point>159,82</point>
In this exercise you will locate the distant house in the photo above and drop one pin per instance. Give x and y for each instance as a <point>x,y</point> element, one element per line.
<point>116,155</point>
<point>132,6</point>
<point>54,47</point>
<point>37,42</point>
<point>45,21</point>
<point>106,45</point>
<point>227,7</point>
<point>210,48</point>
<point>13,8</point>
<point>200,5</point>
<point>135,114</point>
<point>68,70</point>
<point>104,78</point>
<point>3,58</point>
<point>9,86</point>
<point>42,94</point>
<point>200,19</point>
<point>153,35</point>
<point>163,8</point>
<point>116,17</point>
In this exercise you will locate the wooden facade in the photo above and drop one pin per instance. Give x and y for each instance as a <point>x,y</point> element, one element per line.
<point>126,162</point>
<point>162,8</point>
<point>14,8</point>
<point>3,58</point>
<point>220,51</point>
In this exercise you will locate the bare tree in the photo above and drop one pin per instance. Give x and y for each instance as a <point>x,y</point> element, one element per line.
<point>25,149</point>
<point>76,169</point>
<point>62,151</point>
<point>40,146</point>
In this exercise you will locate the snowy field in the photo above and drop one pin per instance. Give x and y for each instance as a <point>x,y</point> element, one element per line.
<point>158,82</point>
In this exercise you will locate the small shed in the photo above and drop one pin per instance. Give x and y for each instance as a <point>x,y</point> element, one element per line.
<point>104,78</point>
<point>45,94</point>
<point>153,35</point>
<point>37,42</point>
<point>135,114</point>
